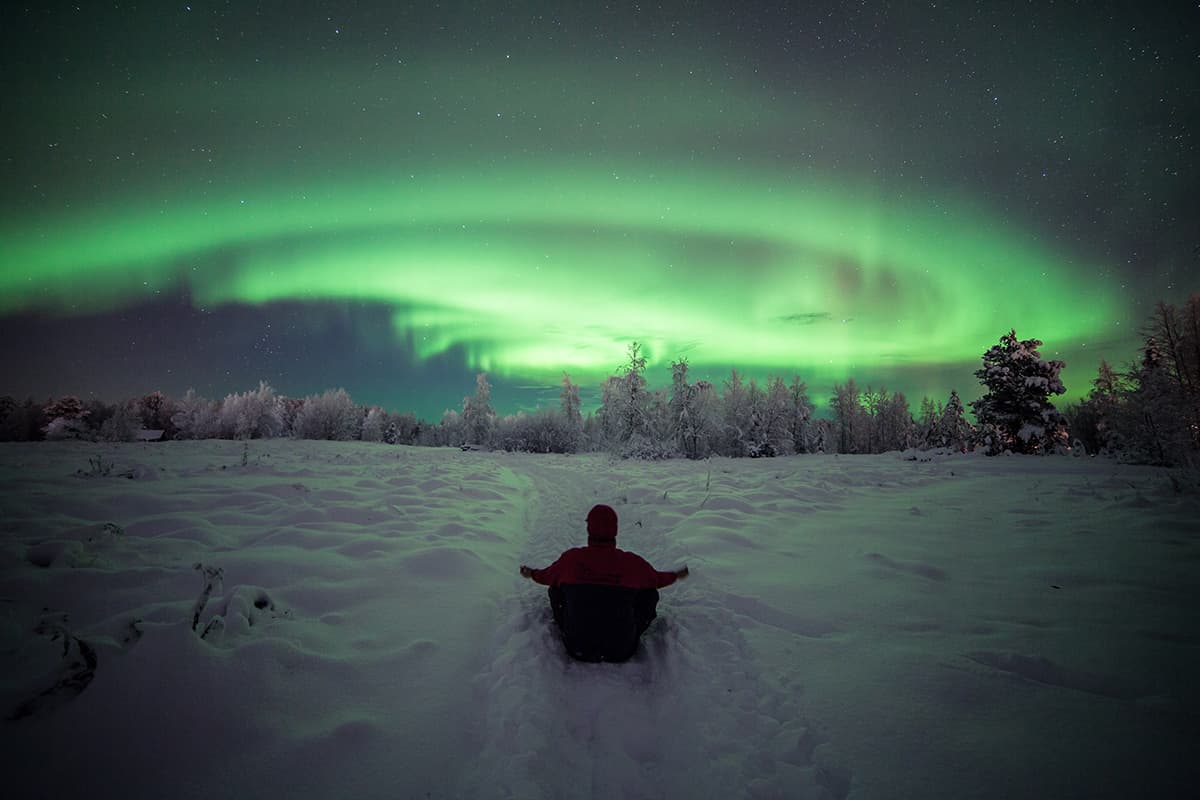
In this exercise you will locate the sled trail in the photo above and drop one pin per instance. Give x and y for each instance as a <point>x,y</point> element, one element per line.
<point>690,713</point>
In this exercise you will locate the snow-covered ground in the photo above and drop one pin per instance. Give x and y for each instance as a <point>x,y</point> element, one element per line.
<point>864,627</point>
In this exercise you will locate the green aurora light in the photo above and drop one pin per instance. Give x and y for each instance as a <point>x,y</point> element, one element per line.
<point>537,268</point>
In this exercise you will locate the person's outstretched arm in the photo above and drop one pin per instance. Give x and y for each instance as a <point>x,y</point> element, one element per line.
<point>664,579</point>
<point>548,576</point>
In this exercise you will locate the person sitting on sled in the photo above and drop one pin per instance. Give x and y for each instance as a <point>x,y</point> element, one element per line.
<point>603,598</point>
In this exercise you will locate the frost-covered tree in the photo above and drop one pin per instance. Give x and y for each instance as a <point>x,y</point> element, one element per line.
<point>155,411</point>
<point>954,429</point>
<point>196,417</point>
<point>331,415</point>
<point>67,418</point>
<point>849,419</point>
<point>893,424</point>
<point>625,407</point>
<point>800,419</point>
<point>251,415</point>
<point>373,424</point>
<point>123,424</point>
<point>544,431</point>
<point>401,428</point>
<point>450,432</point>
<point>477,414</point>
<point>289,407</point>
<point>930,417</point>
<point>736,417</point>
<point>255,414</point>
<point>686,422</point>
<point>772,415</point>
<point>1015,413</point>
<point>571,409</point>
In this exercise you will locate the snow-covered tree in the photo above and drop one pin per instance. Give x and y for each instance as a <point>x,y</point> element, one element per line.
<point>155,411</point>
<point>954,429</point>
<point>544,431</point>
<point>331,415</point>
<point>801,421</point>
<point>289,407</point>
<point>688,425</point>
<point>255,414</point>
<point>450,432</point>
<point>372,426</point>
<point>893,422</point>
<point>930,417</point>
<point>736,417</point>
<point>123,424</point>
<point>771,431</point>
<point>1015,413</point>
<point>477,411</point>
<point>67,418</point>
<point>402,428</point>
<point>571,408</point>
<point>625,406</point>
<point>196,417</point>
<point>849,418</point>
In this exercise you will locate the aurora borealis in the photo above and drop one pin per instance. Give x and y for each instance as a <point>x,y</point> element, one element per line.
<point>391,199</point>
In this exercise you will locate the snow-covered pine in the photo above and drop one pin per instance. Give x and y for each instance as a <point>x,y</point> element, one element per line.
<point>1015,413</point>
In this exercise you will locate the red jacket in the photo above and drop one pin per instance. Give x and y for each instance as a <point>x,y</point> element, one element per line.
<point>601,562</point>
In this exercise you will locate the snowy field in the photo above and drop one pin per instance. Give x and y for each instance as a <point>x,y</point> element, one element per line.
<point>854,626</point>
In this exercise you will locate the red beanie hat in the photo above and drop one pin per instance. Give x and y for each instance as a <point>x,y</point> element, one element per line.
<point>602,523</point>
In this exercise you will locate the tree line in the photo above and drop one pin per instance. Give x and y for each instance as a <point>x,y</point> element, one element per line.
<point>1148,413</point>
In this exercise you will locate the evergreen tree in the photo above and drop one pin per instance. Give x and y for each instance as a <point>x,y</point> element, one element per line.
<point>954,430</point>
<point>1016,413</point>
<point>195,417</point>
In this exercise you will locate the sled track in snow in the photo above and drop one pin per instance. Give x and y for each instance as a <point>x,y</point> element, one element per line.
<point>688,716</point>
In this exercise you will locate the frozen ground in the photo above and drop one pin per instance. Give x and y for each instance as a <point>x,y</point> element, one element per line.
<point>862,627</point>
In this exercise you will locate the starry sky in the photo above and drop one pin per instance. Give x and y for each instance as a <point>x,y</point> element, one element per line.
<point>391,197</point>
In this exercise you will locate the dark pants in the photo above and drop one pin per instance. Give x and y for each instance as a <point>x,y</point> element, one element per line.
<point>602,623</point>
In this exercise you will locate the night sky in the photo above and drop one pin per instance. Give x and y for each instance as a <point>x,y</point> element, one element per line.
<point>391,198</point>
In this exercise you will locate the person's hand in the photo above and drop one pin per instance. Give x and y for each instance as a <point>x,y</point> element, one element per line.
<point>680,574</point>
<point>526,572</point>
